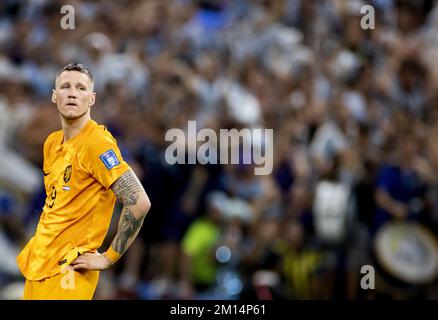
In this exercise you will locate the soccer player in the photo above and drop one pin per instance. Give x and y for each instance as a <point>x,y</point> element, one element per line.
<point>84,174</point>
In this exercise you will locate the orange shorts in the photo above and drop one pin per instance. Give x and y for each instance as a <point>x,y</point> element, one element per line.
<point>68,285</point>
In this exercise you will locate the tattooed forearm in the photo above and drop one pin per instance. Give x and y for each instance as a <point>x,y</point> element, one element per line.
<point>127,188</point>
<point>131,194</point>
<point>128,228</point>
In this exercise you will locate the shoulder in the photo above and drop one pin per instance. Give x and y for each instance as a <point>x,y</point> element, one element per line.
<point>51,139</point>
<point>100,132</point>
<point>98,135</point>
<point>99,142</point>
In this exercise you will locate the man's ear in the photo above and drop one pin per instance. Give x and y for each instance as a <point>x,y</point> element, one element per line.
<point>53,96</point>
<point>92,98</point>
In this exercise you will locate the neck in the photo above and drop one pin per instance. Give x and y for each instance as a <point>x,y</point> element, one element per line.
<point>72,127</point>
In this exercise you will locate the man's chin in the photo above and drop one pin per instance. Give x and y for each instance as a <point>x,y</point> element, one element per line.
<point>72,117</point>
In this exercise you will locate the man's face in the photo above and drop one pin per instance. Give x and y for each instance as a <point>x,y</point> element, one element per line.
<point>73,94</point>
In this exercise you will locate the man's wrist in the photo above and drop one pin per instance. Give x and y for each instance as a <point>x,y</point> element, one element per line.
<point>111,255</point>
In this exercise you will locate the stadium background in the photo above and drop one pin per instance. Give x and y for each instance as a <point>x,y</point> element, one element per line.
<point>347,106</point>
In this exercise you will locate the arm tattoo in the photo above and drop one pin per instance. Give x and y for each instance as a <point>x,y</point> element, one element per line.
<point>128,227</point>
<point>127,189</point>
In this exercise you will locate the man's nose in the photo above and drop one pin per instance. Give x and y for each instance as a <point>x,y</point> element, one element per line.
<point>72,94</point>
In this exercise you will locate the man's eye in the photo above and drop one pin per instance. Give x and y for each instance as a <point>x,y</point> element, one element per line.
<point>82,88</point>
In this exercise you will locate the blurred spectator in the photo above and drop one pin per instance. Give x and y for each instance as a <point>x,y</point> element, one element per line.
<point>400,190</point>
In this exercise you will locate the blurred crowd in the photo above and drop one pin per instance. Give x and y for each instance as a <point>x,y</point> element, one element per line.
<point>354,114</point>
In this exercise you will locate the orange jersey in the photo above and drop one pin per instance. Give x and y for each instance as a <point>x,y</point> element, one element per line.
<point>79,203</point>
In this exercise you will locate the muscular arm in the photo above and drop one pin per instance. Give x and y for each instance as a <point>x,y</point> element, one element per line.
<point>136,204</point>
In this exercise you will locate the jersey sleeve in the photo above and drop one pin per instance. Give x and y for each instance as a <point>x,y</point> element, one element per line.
<point>103,159</point>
